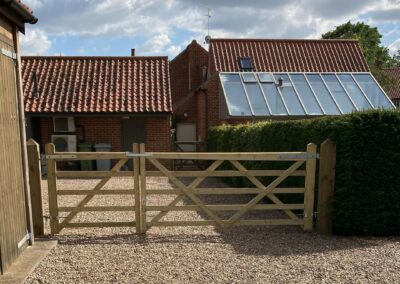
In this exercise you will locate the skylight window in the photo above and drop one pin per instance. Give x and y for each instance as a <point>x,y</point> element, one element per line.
<point>249,77</point>
<point>245,64</point>
<point>266,78</point>
<point>300,94</point>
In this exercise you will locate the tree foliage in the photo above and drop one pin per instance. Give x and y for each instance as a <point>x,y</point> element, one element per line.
<point>367,182</point>
<point>396,59</point>
<point>377,56</point>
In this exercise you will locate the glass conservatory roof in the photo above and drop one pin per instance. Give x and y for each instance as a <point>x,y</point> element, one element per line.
<point>301,94</point>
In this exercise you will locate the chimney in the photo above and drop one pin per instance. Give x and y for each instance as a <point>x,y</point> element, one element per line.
<point>132,52</point>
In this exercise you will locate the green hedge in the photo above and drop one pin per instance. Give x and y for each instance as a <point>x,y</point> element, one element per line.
<point>367,187</point>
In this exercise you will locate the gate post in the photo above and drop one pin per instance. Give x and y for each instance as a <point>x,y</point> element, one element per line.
<point>35,177</point>
<point>326,186</point>
<point>309,187</point>
<point>136,181</point>
<point>143,225</point>
<point>52,189</point>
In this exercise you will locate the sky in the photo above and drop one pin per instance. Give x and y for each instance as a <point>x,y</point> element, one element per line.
<point>166,27</point>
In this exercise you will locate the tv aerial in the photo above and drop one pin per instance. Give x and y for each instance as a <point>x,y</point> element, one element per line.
<point>208,37</point>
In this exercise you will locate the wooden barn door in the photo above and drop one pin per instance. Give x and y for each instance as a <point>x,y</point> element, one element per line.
<point>13,221</point>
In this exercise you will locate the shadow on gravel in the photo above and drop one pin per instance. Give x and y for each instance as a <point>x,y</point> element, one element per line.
<point>245,240</point>
<point>260,241</point>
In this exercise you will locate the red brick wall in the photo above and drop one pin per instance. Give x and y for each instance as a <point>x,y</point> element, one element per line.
<point>186,71</point>
<point>109,130</point>
<point>213,102</point>
<point>158,134</point>
<point>186,74</point>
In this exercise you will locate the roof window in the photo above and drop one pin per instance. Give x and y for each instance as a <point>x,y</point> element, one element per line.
<point>245,64</point>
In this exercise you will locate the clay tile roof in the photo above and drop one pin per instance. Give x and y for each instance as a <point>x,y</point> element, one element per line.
<point>96,84</point>
<point>393,90</point>
<point>286,55</point>
<point>24,6</point>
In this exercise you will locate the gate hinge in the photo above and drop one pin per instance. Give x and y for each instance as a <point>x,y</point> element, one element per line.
<point>9,53</point>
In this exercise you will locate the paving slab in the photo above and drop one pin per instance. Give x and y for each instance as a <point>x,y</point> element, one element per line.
<point>27,261</point>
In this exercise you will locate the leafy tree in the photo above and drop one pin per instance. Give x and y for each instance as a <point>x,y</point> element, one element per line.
<point>370,40</point>
<point>396,59</point>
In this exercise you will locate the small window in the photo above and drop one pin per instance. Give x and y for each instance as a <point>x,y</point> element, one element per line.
<point>245,64</point>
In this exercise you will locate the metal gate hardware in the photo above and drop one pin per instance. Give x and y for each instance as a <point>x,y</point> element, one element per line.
<point>49,217</point>
<point>298,156</point>
<point>60,157</point>
<point>133,155</point>
<point>9,53</point>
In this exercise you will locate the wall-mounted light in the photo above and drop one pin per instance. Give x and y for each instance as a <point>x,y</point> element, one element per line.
<point>185,115</point>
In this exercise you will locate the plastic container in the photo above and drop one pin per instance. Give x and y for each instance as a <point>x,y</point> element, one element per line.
<point>103,165</point>
<point>86,165</point>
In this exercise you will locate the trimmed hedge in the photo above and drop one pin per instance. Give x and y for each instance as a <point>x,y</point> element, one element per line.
<point>367,187</point>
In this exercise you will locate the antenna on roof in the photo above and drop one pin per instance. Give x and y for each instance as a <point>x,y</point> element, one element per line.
<point>208,37</point>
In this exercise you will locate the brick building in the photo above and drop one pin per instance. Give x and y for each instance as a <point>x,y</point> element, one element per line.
<point>393,90</point>
<point>199,81</point>
<point>116,100</point>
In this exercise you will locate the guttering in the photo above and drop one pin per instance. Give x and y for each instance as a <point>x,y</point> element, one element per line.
<point>98,114</point>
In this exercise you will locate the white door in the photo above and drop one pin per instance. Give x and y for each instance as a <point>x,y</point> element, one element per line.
<point>186,132</point>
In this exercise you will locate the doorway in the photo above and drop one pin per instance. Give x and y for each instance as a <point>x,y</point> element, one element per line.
<point>186,132</point>
<point>133,131</point>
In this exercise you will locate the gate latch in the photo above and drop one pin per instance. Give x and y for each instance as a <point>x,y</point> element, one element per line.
<point>138,155</point>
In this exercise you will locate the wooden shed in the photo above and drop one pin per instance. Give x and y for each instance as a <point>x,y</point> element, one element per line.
<point>15,216</point>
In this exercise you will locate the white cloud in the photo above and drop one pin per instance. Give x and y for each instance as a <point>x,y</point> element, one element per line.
<point>174,50</point>
<point>34,4</point>
<point>156,44</point>
<point>394,47</point>
<point>35,42</point>
<point>157,20</point>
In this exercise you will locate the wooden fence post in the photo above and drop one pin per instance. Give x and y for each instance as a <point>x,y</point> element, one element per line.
<point>52,189</point>
<point>326,186</point>
<point>309,187</point>
<point>143,224</point>
<point>35,177</point>
<point>136,181</point>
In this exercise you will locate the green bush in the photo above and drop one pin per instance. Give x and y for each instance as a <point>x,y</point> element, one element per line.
<point>367,186</point>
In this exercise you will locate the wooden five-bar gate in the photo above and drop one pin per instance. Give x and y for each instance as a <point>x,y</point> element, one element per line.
<point>153,164</point>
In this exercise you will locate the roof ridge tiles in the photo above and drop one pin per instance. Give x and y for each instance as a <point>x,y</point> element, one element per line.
<point>92,57</point>
<point>283,40</point>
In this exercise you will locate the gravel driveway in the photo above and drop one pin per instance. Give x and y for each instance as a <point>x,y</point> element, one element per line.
<point>206,254</point>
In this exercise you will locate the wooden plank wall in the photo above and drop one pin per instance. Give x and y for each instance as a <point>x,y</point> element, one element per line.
<point>13,223</point>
